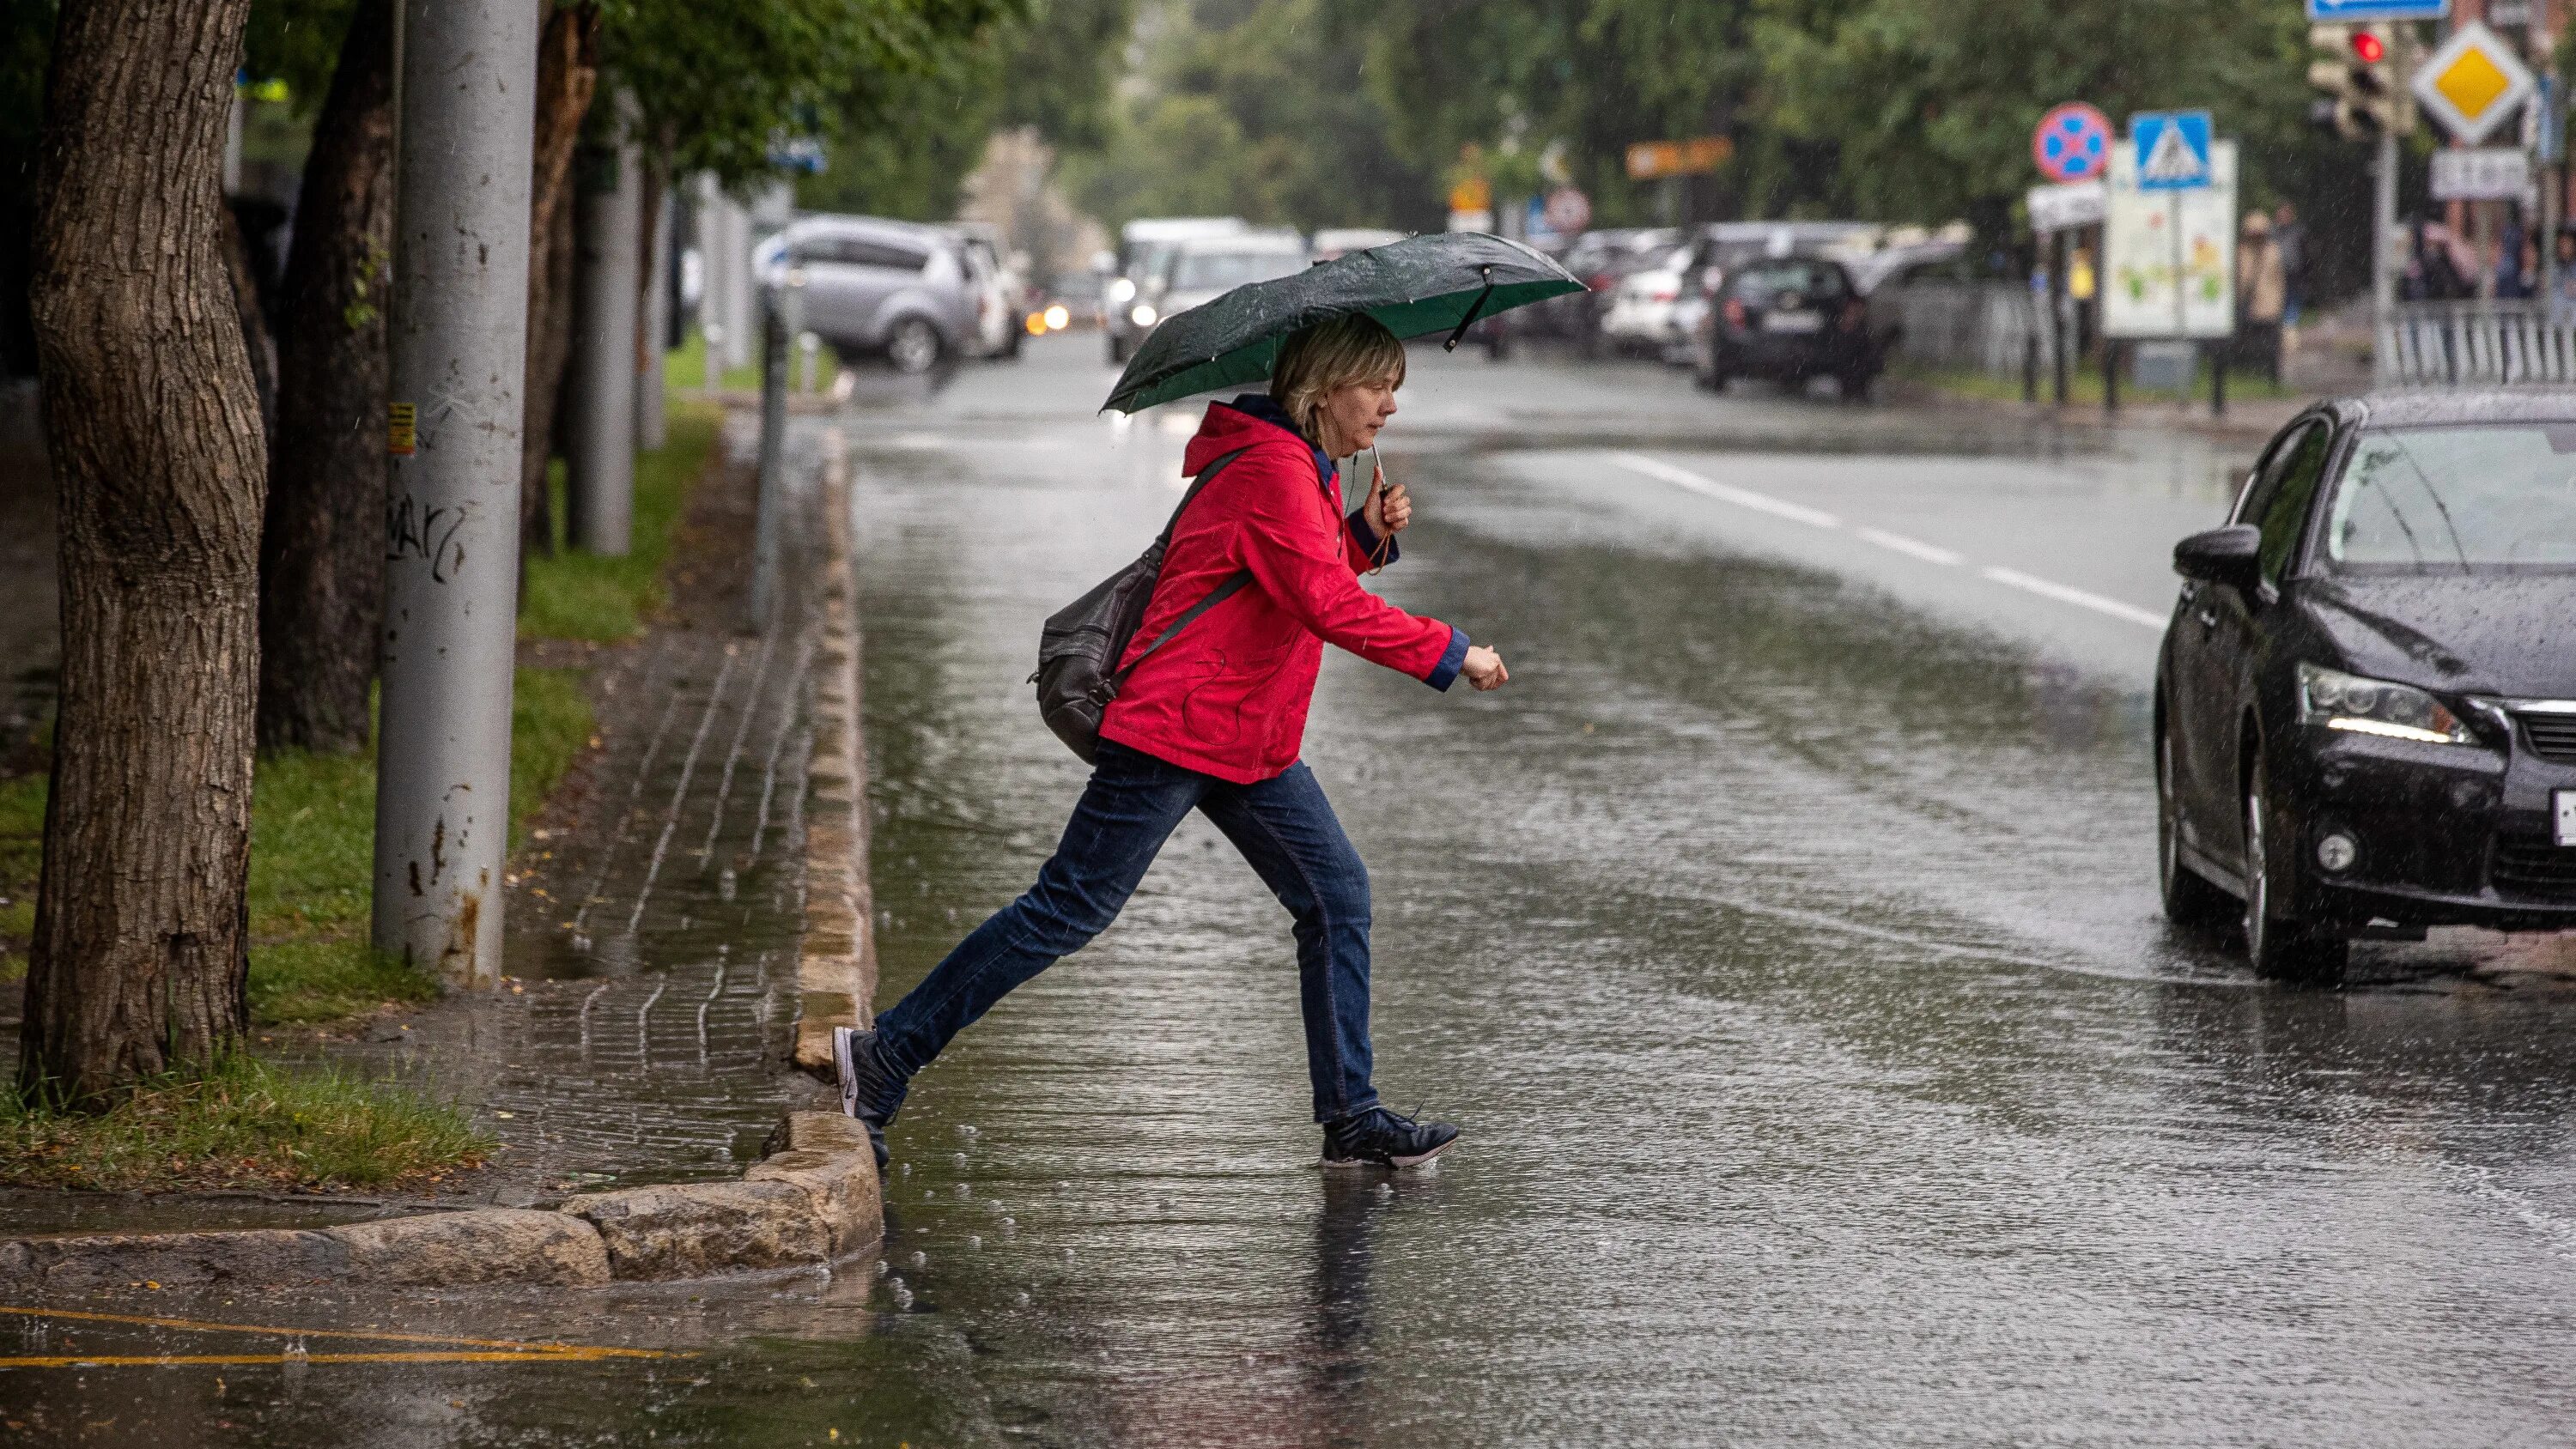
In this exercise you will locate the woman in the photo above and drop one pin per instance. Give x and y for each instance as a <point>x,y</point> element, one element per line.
<point>1212,721</point>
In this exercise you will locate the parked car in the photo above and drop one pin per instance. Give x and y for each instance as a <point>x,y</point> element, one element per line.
<point>1142,247</point>
<point>1639,318</point>
<point>1201,270</point>
<point>1334,241</point>
<point>1601,259</point>
<point>1788,319</point>
<point>885,287</point>
<point>2365,707</point>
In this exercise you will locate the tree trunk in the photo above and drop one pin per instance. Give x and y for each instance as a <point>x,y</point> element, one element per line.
<point>250,305</point>
<point>322,553</point>
<point>139,952</point>
<point>567,77</point>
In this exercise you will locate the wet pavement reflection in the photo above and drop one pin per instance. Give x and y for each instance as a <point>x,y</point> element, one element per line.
<point>1789,952</point>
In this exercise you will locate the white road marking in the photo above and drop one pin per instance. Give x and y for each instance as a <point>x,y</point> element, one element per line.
<point>1685,479</point>
<point>2015,579</point>
<point>1912,547</point>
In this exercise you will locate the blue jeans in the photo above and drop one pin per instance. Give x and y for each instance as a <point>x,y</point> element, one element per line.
<point>1283,826</point>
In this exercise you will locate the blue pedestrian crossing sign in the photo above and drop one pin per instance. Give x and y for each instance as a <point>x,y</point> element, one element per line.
<point>2327,12</point>
<point>2172,149</point>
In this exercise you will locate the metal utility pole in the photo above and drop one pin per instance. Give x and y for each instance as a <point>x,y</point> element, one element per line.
<point>608,221</point>
<point>2057,339</point>
<point>782,316</point>
<point>651,428</point>
<point>2383,275</point>
<point>458,347</point>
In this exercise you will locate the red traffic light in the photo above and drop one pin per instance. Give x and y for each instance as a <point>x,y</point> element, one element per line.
<point>2369,47</point>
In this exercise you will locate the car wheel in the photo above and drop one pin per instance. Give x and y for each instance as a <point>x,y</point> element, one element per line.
<point>2189,900</point>
<point>1855,386</point>
<point>2280,947</point>
<point>914,346</point>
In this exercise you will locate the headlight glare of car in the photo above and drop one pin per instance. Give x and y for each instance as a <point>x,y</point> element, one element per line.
<point>2356,705</point>
<point>1144,314</point>
<point>1120,289</point>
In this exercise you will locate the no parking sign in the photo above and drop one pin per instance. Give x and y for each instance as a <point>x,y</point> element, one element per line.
<point>2073,143</point>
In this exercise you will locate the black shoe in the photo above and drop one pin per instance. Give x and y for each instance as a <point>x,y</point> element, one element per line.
<point>871,1091</point>
<point>1380,1138</point>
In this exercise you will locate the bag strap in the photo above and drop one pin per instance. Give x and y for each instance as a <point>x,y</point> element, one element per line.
<point>1233,584</point>
<point>1210,471</point>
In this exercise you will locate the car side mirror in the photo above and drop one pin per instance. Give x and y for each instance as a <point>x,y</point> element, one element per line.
<point>2230,555</point>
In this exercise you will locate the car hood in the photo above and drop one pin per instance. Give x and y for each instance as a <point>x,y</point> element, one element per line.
<point>2507,635</point>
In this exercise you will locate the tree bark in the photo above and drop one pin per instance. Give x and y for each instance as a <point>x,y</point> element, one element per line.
<point>322,552</point>
<point>567,78</point>
<point>160,463</point>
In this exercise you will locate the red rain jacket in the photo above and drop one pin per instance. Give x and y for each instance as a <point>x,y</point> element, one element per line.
<point>1228,696</point>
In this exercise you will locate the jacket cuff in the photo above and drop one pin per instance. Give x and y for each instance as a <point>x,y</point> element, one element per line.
<point>1367,539</point>
<point>1452,659</point>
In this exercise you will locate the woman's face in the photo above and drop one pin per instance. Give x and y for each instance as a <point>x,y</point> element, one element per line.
<point>1352,414</point>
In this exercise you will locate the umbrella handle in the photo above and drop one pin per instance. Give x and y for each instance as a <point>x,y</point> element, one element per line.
<point>1473,310</point>
<point>1386,540</point>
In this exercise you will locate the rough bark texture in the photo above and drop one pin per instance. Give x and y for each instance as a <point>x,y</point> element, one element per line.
<point>251,306</point>
<point>322,553</point>
<point>160,464</point>
<point>567,77</point>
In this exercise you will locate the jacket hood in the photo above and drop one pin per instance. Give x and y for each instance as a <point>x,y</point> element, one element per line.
<point>2465,634</point>
<point>1248,420</point>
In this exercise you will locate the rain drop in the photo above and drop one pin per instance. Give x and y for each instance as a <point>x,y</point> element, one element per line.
<point>965,1129</point>
<point>973,1241</point>
<point>961,1159</point>
<point>921,1260</point>
<point>1021,1298</point>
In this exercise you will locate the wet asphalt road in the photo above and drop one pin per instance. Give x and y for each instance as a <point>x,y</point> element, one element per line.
<point>1784,937</point>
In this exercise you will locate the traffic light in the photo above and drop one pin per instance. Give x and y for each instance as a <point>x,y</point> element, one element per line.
<point>2359,96</point>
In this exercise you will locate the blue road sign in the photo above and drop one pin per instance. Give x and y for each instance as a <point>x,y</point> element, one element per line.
<point>2329,11</point>
<point>2173,149</point>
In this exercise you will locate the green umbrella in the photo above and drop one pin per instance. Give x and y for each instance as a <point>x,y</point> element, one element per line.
<point>1418,286</point>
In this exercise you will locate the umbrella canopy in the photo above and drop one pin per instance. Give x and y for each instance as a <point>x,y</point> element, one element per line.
<point>1418,286</point>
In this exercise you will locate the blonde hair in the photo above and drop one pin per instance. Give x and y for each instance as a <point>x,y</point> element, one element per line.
<point>1334,353</point>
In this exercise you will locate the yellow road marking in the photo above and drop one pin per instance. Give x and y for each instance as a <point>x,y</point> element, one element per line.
<point>503,1350</point>
<point>167,1360</point>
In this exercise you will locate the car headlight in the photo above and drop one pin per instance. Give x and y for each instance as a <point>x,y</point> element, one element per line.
<point>2349,702</point>
<point>1120,289</point>
<point>1144,314</point>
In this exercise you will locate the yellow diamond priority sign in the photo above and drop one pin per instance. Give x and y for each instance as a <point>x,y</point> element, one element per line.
<point>2474,83</point>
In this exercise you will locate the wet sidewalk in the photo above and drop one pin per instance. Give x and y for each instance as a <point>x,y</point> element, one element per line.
<point>656,907</point>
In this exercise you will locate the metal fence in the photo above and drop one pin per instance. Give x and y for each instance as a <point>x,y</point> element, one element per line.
<point>1990,326</point>
<point>2477,344</point>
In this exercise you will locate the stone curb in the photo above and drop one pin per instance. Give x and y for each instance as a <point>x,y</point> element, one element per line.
<point>811,1202</point>
<point>814,1199</point>
<point>836,974</point>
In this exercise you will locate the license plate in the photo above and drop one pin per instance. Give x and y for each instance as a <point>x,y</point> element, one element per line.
<point>1793,322</point>
<point>2562,812</point>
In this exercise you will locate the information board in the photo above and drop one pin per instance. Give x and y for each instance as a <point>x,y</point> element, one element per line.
<point>2170,256</point>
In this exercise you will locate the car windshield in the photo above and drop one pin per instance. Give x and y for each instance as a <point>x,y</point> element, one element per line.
<point>2491,499</point>
<point>1208,271</point>
<point>1761,285</point>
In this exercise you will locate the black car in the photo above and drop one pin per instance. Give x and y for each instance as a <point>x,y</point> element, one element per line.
<point>2365,710</point>
<point>1788,319</point>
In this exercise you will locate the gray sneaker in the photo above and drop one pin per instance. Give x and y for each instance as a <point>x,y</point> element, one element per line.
<point>1380,1138</point>
<point>871,1091</point>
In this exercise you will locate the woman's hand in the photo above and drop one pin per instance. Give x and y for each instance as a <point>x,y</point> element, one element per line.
<point>1484,669</point>
<point>1388,510</point>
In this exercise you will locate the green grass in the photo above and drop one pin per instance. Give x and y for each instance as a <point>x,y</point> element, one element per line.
<point>2084,385</point>
<point>313,816</point>
<point>685,370</point>
<point>312,854</point>
<point>243,1123</point>
<point>602,600</point>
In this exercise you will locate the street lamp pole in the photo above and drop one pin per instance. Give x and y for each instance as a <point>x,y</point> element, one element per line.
<point>608,223</point>
<point>458,349</point>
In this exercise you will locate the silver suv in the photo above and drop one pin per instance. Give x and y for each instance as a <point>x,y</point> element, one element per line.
<point>874,286</point>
